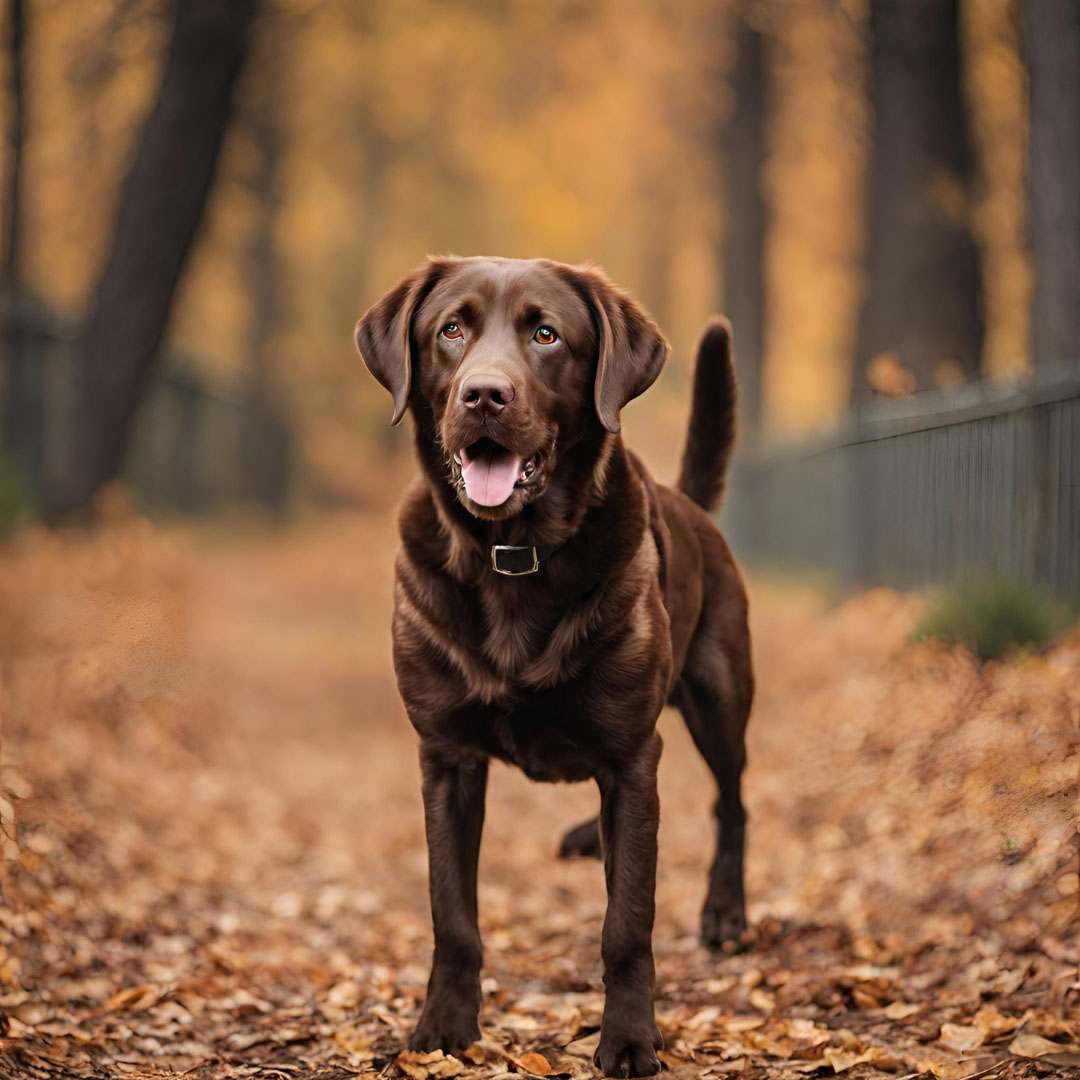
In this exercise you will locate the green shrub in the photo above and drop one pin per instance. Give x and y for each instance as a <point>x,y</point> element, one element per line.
<point>994,615</point>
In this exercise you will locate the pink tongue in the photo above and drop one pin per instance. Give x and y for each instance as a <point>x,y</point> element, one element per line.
<point>490,477</point>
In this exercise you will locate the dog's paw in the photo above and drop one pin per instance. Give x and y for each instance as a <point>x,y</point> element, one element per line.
<point>582,841</point>
<point>444,1030</point>
<point>723,928</point>
<point>625,1055</point>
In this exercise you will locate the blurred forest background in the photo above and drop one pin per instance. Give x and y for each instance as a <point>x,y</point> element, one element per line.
<point>210,825</point>
<point>238,182</point>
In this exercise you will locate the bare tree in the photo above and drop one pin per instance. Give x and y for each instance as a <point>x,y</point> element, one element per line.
<point>9,262</point>
<point>923,293</point>
<point>20,378</point>
<point>1053,46</point>
<point>743,147</point>
<point>263,119</point>
<point>262,114</point>
<point>161,207</point>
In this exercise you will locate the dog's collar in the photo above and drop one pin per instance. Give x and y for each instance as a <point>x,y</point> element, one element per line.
<point>519,561</point>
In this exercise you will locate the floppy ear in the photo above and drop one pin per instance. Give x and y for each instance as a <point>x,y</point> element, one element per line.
<point>632,350</point>
<point>383,335</point>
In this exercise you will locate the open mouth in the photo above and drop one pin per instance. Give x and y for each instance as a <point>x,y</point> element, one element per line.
<point>491,472</point>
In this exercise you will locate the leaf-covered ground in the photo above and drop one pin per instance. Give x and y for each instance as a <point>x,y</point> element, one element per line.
<point>214,862</point>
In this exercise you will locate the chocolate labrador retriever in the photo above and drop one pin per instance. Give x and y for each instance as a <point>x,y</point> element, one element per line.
<point>551,597</point>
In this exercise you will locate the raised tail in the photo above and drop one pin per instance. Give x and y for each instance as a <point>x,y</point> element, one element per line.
<point>712,417</point>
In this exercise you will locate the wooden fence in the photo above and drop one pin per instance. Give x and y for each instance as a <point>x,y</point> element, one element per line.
<point>199,444</point>
<point>938,486</point>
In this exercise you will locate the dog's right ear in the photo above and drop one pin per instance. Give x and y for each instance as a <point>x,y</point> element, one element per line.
<point>384,334</point>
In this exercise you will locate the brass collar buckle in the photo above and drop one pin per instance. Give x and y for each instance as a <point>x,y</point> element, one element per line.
<point>514,561</point>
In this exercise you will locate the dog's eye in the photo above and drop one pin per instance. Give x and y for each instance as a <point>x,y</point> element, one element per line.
<point>451,330</point>
<point>546,336</point>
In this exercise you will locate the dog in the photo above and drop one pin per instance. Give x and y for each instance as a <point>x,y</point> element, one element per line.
<point>550,597</point>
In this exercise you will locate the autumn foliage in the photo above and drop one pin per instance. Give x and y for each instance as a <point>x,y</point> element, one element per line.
<point>217,860</point>
<point>211,838</point>
<point>369,135</point>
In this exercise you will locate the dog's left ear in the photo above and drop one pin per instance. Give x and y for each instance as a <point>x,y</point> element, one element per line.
<point>384,334</point>
<point>632,349</point>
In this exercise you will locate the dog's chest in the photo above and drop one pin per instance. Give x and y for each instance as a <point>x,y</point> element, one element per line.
<point>545,734</point>
<point>515,673</point>
<point>531,643</point>
<point>545,682</point>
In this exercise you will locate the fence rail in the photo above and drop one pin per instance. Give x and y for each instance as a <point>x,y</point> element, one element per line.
<point>198,444</point>
<point>937,486</point>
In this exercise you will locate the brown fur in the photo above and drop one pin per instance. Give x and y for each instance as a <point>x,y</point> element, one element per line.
<point>562,673</point>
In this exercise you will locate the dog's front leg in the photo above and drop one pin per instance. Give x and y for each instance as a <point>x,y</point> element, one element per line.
<point>454,791</point>
<point>629,818</point>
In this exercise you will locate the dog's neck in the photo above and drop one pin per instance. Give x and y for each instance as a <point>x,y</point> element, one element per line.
<point>590,477</point>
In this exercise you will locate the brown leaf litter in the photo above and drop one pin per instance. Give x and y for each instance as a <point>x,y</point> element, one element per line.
<point>214,849</point>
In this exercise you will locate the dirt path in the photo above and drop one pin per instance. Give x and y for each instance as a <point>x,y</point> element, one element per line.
<point>218,867</point>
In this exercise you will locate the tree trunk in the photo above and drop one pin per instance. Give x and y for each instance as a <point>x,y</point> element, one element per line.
<point>9,262</point>
<point>1053,46</point>
<point>262,449</point>
<point>923,296</point>
<point>161,206</point>
<point>743,147</point>
<point>20,380</point>
<point>264,123</point>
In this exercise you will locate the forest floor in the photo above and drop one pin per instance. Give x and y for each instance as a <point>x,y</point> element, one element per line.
<point>214,857</point>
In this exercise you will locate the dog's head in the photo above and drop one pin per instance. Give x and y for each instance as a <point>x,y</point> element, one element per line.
<point>517,360</point>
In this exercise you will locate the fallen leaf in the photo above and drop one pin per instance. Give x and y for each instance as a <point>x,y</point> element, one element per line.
<point>842,1060</point>
<point>864,998</point>
<point>536,1064</point>
<point>993,1023</point>
<point>475,1054</point>
<point>703,1018</point>
<point>133,999</point>
<point>744,1023</point>
<point>806,1033</point>
<point>725,1068</point>
<point>434,1064</point>
<point>882,1059</point>
<point>1033,1046</point>
<point>584,1047</point>
<point>901,1010</point>
<point>941,1067</point>
<point>16,1029</point>
<point>960,1037</point>
<point>772,1047</point>
<point>342,1000</point>
<point>355,1043</point>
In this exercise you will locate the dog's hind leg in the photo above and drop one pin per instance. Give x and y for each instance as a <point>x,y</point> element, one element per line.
<point>723,917</point>
<point>582,841</point>
<point>714,696</point>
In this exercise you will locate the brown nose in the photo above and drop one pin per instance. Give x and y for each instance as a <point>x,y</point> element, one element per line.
<point>487,393</point>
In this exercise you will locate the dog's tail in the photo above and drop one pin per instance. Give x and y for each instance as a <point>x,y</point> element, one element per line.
<point>712,417</point>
